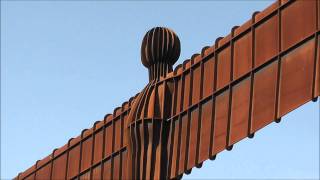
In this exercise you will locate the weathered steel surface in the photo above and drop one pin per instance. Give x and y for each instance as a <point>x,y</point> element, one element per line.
<point>261,71</point>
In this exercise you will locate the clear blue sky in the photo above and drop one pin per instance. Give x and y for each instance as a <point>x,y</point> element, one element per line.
<point>66,64</point>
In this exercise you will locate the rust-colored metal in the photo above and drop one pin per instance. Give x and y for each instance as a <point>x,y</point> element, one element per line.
<point>261,71</point>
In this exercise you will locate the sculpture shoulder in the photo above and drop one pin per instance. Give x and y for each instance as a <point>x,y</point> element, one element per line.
<point>152,102</point>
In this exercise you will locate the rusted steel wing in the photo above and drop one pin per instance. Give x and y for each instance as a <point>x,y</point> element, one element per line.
<point>261,71</point>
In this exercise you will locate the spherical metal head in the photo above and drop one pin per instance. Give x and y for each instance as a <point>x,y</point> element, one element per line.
<point>160,45</point>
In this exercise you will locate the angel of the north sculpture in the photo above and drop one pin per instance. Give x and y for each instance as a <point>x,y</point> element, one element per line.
<point>185,115</point>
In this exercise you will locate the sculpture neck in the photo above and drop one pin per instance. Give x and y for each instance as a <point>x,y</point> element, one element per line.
<point>159,69</point>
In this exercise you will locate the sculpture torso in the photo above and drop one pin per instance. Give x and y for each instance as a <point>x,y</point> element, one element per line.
<point>147,119</point>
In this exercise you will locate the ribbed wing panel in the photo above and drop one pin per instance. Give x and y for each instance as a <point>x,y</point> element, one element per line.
<point>98,153</point>
<point>261,71</point>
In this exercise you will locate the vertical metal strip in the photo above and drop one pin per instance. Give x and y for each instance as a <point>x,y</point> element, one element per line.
<point>120,163</point>
<point>199,113</point>
<point>189,116</point>
<point>154,159</point>
<point>228,146</point>
<point>179,146</point>
<point>250,133</point>
<point>314,96</point>
<point>149,168</point>
<point>51,163</point>
<point>144,133</point>
<point>318,15</point>
<point>134,131</point>
<point>151,172</point>
<point>113,144</point>
<point>172,128</point>
<point>80,158</point>
<point>133,156</point>
<point>103,147</point>
<point>92,150</point>
<point>137,132</point>
<point>145,129</point>
<point>121,139</point>
<point>34,171</point>
<point>180,123</point>
<point>169,149</point>
<point>277,118</point>
<point>213,97</point>
<point>135,167</point>
<point>137,146</point>
<point>163,100</point>
<point>141,130</point>
<point>315,69</point>
<point>148,153</point>
<point>67,161</point>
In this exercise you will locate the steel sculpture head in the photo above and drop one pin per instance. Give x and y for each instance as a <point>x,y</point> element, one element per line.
<point>160,49</point>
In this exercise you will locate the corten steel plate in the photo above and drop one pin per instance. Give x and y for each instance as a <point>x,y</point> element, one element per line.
<point>264,97</point>
<point>242,62</point>
<point>298,21</point>
<point>296,77</point>
<point>206,124</point>
<point>220,127</point>
<point>239,111</point>
<point>208,81</point>
<point>261,71</point>
<point>223,67</point>
<point>266,40</point>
